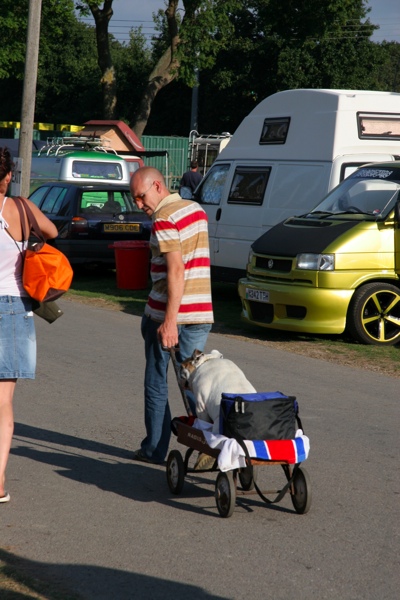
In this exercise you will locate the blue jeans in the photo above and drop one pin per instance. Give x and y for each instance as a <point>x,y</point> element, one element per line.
<point>157,414</point>
<point>17,338</point>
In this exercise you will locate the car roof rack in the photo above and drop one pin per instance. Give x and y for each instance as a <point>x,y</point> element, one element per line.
<point>63,145</point>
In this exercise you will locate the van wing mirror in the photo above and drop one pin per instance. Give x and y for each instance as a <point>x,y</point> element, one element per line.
<point>397,212</point>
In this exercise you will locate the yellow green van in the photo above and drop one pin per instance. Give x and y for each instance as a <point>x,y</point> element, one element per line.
<point>335,267</point>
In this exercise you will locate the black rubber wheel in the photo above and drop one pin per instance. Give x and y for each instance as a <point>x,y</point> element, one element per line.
<point>175,471</point>
<point>374,314</point>
<point>247,477</point>
<point>302,491</point>
<point>225,493</point>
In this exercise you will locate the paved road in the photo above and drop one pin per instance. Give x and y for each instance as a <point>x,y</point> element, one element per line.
<point>85,515</point>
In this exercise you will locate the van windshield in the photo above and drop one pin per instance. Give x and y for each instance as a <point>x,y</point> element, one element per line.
<point>86,169</point>
<point>211,188</point>
<point>371,192</point>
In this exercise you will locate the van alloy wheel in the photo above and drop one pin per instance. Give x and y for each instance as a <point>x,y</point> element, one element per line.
<point>374,314</point>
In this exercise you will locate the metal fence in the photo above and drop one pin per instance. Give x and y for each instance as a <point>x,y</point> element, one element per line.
<point>175,161</point>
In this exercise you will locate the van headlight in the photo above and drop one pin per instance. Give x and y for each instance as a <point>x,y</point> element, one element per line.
<point>316,262</point>
<point>250,257</point>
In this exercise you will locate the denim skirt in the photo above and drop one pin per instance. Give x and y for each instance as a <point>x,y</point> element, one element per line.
<point>17,338</point>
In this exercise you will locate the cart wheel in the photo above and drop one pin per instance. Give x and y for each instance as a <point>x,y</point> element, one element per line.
<point>302,491</point>
<point>175,471</point>
<point>247,477</point>
<point>225,493</point>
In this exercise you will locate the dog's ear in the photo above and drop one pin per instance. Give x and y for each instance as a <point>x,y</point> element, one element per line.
<point>197,356</point>
<point>216,354</point>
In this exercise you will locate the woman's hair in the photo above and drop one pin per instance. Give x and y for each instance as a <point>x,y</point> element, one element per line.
<point>6,163</point>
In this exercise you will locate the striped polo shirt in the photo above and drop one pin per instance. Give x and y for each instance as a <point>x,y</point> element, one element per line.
<point>181,225</point>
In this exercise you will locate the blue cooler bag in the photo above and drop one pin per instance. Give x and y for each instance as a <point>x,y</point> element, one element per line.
<point>263,416</point>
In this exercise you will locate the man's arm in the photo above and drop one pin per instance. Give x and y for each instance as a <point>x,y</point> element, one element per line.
<point>168,331</point>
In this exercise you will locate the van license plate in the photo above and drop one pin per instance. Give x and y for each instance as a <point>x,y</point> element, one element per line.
<point>121,227</point>
<point>258,295</point>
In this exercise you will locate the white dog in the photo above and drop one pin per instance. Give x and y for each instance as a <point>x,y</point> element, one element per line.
<point>208,376</point>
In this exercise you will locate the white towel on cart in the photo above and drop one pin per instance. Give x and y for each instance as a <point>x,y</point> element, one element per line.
<point>232,455</point>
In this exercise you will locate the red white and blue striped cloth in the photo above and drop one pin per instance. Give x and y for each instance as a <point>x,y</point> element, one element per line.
<point>232,455</point>
<point>291,451</point>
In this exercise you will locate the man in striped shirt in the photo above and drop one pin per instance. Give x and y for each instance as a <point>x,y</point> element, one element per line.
<point>179,308</point>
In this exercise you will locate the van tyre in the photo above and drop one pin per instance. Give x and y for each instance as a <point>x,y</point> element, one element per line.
<point>374,314</point>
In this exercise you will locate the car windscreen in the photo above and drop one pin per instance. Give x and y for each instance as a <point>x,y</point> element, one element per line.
<point>107,201</point>
<point>369,191</point>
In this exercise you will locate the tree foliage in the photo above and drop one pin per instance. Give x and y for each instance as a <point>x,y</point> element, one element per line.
<point>66,87</point>
<point>285,45</point>
<point>190,42</point>
<point>244,51</point>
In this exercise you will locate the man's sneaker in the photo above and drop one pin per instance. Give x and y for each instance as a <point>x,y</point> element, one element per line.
<point>140,455</point>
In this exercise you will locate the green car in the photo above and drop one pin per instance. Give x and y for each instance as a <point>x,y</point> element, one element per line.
<point>335,267</point>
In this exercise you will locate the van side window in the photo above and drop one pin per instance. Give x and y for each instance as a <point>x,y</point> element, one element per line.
<point>211,189</point>
<point>275,131</point>
<point>248,185</point>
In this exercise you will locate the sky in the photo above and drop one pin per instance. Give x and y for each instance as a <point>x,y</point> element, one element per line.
<point>133,13</point>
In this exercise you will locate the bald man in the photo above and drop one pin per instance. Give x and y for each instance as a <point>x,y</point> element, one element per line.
<point>179,307</point>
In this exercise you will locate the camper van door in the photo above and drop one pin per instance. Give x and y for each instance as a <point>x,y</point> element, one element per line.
<point>245,198</point>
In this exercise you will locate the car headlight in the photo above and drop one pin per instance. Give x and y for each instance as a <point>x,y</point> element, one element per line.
<point>316,262</point>
<point>251,254</point>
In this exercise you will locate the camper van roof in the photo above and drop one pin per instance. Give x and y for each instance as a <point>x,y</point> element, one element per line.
<point>320,125</point>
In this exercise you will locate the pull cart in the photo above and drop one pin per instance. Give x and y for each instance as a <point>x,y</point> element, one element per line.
<point>297,481</point>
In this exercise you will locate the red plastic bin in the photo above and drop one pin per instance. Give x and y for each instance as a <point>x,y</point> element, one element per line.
<point>132,264</point>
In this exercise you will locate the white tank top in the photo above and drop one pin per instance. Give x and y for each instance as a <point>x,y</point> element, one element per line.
<point>10,261</point>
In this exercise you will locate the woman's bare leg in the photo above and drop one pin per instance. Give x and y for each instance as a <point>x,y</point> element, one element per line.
<point>7,387</point>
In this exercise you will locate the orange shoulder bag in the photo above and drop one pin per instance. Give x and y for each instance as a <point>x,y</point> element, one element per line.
<point>47,273</point>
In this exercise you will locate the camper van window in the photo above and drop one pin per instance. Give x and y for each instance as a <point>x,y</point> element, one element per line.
<point>53,201</point>
<point>211,188</point>
<point>96,170</point>
<point>248,185</point>
<point>275,131</point>
<point>378,126</point>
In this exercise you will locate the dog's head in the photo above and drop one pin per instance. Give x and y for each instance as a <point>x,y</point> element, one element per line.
<point>189,366</point>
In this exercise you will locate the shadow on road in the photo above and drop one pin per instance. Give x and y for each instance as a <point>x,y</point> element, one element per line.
<point>90,582</point>
<point>119,475</point>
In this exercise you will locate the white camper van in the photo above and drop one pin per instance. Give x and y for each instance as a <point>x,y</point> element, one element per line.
<point>290,151</point>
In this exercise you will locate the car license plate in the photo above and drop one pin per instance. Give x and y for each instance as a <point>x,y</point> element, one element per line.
<point>121,227</point>
<point>258,295</point>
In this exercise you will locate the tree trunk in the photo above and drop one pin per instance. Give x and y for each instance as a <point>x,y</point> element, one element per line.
<point>108,79</point>
<point>165,71</point>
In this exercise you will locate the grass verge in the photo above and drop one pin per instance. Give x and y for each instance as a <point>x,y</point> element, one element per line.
<point>100,288</point>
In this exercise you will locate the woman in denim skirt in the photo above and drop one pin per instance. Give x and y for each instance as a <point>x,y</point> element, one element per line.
<point>17,328</point>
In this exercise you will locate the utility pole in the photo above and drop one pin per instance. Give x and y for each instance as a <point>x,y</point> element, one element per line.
<point>29,94</point>
<point>195,102</point>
